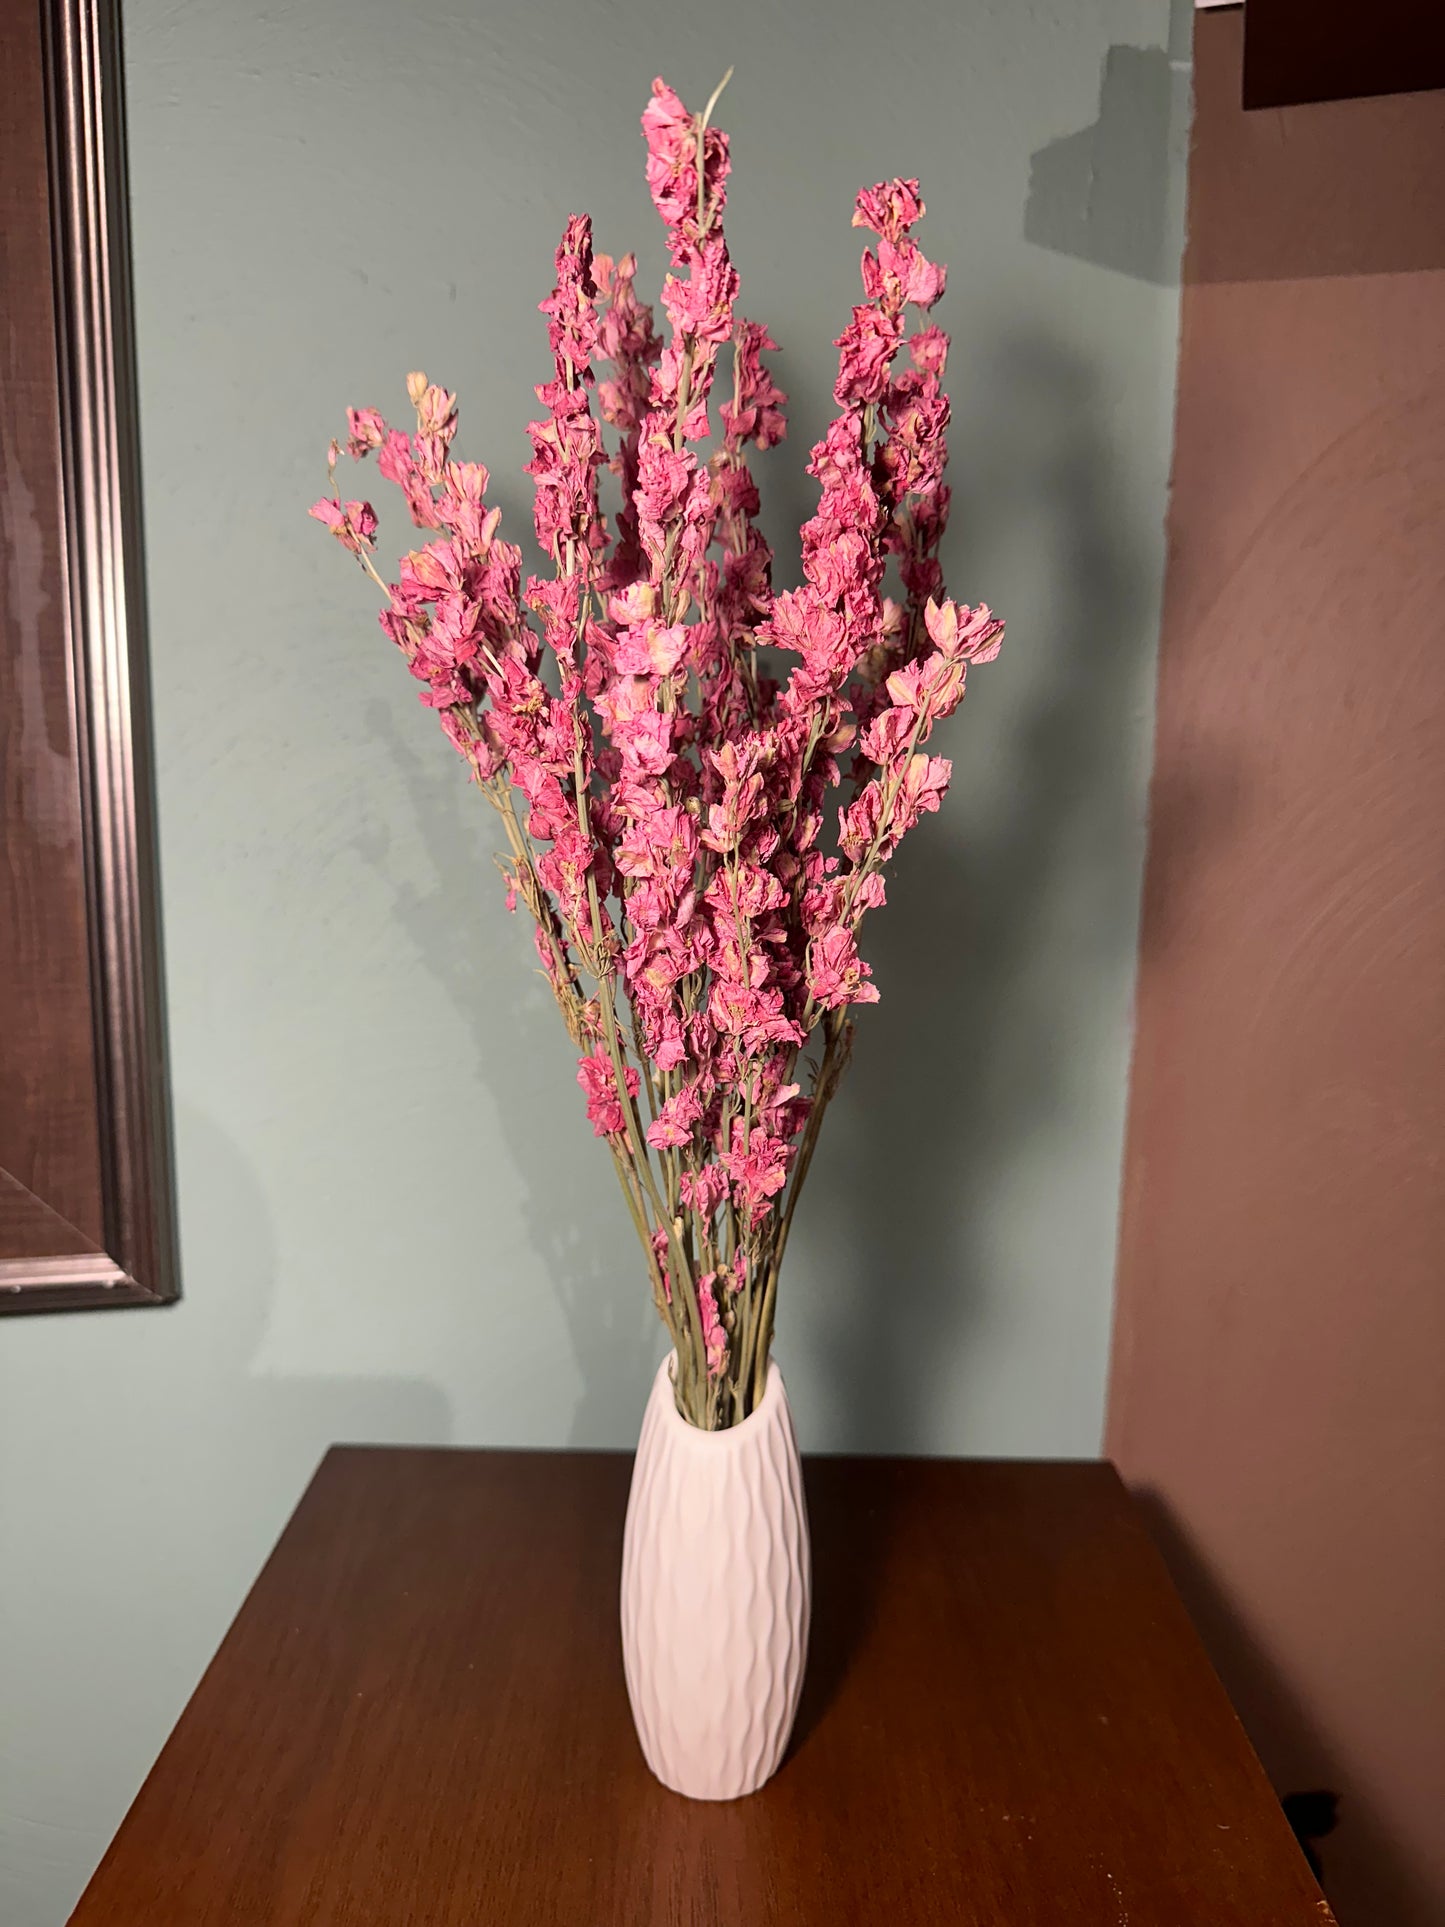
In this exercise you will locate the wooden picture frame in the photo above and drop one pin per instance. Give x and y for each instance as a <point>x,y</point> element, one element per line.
<point>85,1184</point>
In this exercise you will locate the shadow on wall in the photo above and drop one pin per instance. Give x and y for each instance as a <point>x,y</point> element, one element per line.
<point>517,1034</point>
<point>262,1430</point>
<point>975,1050</point>
<point>232,1256</point>
<point>1286,1737</point>
<point>969,1054</point>
<point>1104,194</point>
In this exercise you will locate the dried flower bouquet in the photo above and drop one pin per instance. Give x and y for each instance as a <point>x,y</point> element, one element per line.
<point>666,798</point>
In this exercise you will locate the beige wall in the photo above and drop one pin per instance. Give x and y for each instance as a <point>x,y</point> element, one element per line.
<point>1279,1371</point>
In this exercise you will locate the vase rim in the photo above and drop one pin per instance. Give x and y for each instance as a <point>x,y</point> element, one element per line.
<point>774,1394</point>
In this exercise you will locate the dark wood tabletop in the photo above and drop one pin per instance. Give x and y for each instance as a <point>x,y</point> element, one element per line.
<point>419,1720</point>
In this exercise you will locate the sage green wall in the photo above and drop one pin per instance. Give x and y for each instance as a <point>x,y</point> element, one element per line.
<point>394,1221</point>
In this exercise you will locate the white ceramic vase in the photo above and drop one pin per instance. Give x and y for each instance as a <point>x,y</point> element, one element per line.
<point>716,1594</point>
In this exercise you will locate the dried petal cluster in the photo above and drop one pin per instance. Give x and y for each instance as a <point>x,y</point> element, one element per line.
<point>700,782</point>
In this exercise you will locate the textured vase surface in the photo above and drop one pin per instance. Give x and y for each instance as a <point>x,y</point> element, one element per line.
<point>716,1594</point>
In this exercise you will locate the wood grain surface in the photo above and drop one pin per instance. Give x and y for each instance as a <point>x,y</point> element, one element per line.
<point>419,1717</point>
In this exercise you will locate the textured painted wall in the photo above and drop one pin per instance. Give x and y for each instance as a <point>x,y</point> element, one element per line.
<point>1279,1377</point>
<point>394,1221</point>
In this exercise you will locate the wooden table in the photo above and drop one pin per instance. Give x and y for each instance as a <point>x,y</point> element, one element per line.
<point>419,1720</point>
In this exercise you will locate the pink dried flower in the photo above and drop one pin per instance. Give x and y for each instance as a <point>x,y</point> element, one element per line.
<point>672,166</point>
<point>757,416</point>
<point>674,1123</point>
<point>962,634</point>
<point>836,973</point>
<point>759,1170</point>
<point>714,1338</point>
<point>365,431</point>
<point>604,1105</point>
<point>890,208</point>
<point>868,345</point>
<point>352,523</point>
<point>703,1190</point>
